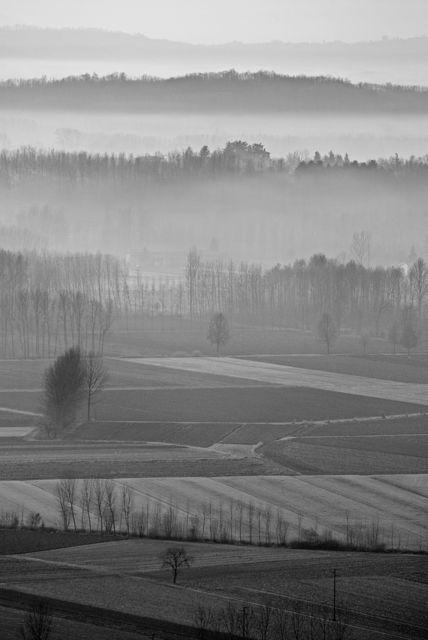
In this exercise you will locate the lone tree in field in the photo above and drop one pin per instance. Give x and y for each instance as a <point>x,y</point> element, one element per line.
<point>95,379</point>
<point>64,387</point>
<point>327,331</point>
<point>394,336</point>
<point>175,558</point>
<point>218,331</point>
<point>408,337</point>
<point>37,623</point>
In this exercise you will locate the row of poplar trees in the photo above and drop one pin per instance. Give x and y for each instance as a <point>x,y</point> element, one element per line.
<point>49,303</point>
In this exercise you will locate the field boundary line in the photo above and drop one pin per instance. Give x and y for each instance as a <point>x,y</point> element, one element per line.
<point>20,411</point>
<point>289,423</point>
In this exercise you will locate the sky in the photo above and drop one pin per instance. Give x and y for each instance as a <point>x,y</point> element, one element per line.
<point>217,21</point>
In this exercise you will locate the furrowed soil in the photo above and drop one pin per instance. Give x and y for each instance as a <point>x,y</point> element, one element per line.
<point>385,367</point>
<point>33,460</point>
<point>394,504</point>
<point>298,377</point>
<point>205,434</point>
<point>381,594</point>
<point>236,404</point>
<point>351,454</point>
<point>255,403</point>
<point>26,540</point>
<point>67,629</point>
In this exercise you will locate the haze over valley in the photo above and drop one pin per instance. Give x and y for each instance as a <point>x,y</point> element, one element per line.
<point>213,320</point>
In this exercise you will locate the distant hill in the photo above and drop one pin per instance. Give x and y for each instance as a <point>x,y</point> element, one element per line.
<point>403,61</point>
<point>228,91</point>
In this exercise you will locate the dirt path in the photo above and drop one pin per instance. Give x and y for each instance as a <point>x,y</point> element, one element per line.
<point>297,377</point>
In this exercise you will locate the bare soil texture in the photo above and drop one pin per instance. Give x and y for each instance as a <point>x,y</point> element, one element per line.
<point>383,594</point>
<point>300,377</point>
<point>394,506</point>
<point>385,367</point>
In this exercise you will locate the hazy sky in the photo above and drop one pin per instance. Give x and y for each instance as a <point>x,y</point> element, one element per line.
<point>211,21</point>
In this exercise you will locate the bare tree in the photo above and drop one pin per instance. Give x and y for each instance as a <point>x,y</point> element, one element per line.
<point>63,390</point>
<point>408,338</point>
<point>218,331</point>
<point>126,505</point>
<point>418,276</point>
<point>360,248</point>
<point>95,378</point>
<point>37,623</point>
<point>66,496</point>
<point>394,336</point>
<point>364,342</point>
<point>62,495</point>
<point>110,511</point>
<point>86,500</point>
<point>327,331</point>
<point>175,558</point>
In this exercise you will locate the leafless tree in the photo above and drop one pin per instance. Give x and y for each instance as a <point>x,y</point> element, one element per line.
<point>175,558</point>
<point>127,504</point>
<point>110,510</point>
<point>394,336</point>
<point>419,282</point>
<point>86,500</point>
<point>364,341</point>
<point>218,331</point>
<point>360,248</point>
<point>100,501</point>
<point>95,378</point>
<point>327,331</point>
<point>408,337</point>
<point>65,492</point>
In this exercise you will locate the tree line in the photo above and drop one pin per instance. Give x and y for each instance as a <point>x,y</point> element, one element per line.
<point>258,207</point>
<point>358,297</point>
<point>28,165</point>
<point>50,303</point>
<point>213,92</point>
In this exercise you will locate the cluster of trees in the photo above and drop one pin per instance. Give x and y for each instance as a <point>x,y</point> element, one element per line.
<point>51,302</point>
<point>102,505</point>
<point>380,169</point>
<point>258,207</point>
<point>357,297</point>
<point>26,165</point>
<point>72,380</point>
<point>212,92</point>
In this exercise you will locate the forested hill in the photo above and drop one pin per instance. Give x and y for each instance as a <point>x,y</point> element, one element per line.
<point>398,60</point>
<point>227,91</point>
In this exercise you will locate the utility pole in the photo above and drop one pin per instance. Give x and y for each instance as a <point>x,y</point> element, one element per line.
<point>334,595</point>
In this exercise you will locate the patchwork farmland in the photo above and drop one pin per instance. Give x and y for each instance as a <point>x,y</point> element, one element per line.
<point>258,451</point>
